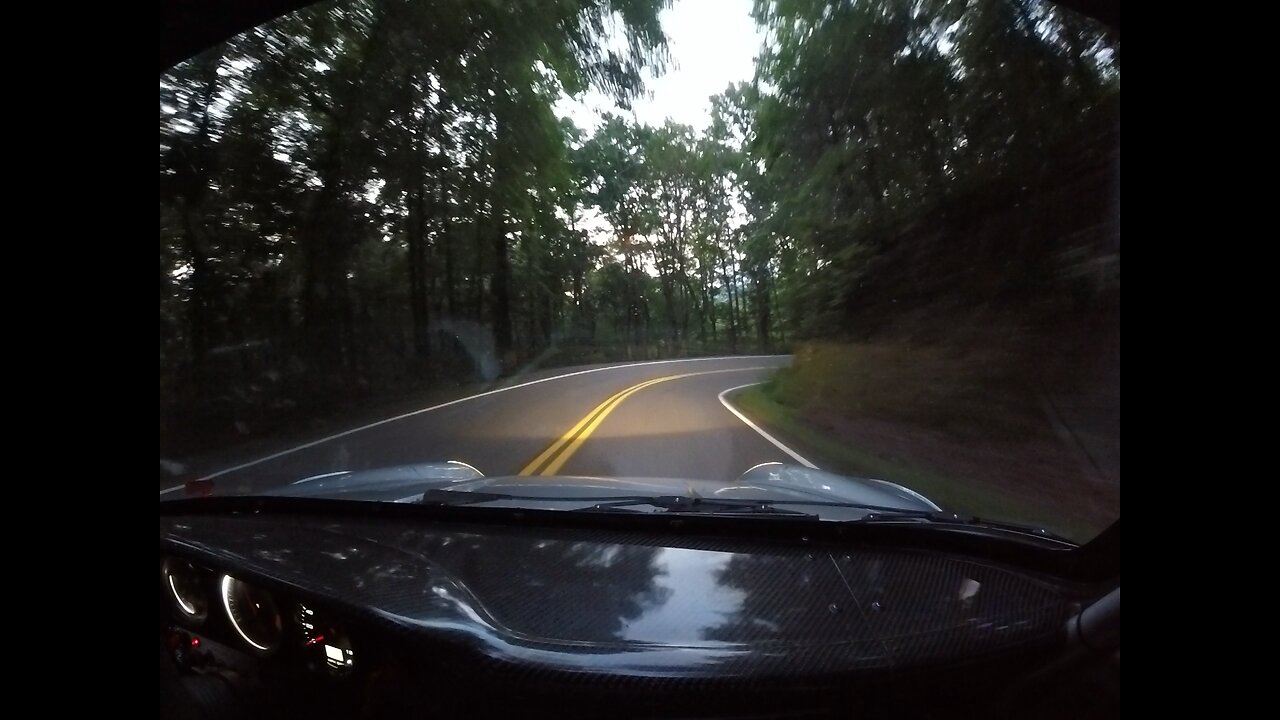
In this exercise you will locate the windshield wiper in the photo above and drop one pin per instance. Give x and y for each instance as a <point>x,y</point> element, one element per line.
<point>715,506</point>
<point>668,503</point>
<point>683,504</point>
<point>452,497</point>
<point>680,503</point>
<point>956,520</point>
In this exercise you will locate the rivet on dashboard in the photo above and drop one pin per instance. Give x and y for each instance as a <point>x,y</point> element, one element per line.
<point>876,606</point>
<point>833,608</point>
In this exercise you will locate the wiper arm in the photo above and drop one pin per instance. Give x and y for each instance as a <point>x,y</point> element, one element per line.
<point>452,497</point>
<point>685,504</point>
<point>716,506</point>
<point>668,503</point>
<point>439,497</point>
<point>956,520</point>
<point>681,504</point>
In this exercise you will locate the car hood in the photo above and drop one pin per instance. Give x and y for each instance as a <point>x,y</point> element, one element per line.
<point>774,482</point>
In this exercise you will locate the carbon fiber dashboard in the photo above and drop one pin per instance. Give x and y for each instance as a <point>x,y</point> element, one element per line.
<point>557,610</point>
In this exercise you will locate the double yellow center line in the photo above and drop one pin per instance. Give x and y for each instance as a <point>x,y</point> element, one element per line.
<point>559,452</point>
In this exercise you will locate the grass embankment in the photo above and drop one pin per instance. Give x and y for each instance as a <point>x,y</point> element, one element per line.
<point>967,428</point>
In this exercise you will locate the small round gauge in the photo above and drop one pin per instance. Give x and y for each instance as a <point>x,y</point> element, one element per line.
<point>253,614</point>
<point>186,587</point>
<point>327,647</point>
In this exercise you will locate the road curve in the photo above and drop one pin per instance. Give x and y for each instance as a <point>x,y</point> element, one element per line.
<point>639,420</point>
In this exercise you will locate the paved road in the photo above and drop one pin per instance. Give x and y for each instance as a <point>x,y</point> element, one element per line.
<point>664,419</point>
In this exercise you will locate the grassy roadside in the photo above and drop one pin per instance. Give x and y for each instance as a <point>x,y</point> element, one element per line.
<point>844,431</point>
<point>846,460</point>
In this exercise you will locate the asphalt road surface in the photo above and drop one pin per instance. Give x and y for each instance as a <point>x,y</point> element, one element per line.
<point>671,419</point>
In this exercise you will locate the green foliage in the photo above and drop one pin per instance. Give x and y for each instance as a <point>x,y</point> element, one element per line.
<point>343,188</point>
<point>875,118</point>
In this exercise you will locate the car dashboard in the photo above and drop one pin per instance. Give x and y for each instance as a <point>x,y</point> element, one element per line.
<point>314,614</point>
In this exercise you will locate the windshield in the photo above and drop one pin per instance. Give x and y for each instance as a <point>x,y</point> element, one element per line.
<point>851,252</point>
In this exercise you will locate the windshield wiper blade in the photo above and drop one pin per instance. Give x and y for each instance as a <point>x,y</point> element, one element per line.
<point>715,506</point>
<point>436,496</point>
<point>440,497</point>
<point>668,503</point>
<point>956,520</point>
<point>681,504</point>
<point>684,504</point>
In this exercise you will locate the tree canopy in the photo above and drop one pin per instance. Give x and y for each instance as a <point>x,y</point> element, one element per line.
<point>372,195</point>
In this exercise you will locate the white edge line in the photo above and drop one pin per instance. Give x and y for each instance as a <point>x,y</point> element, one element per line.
<point>495,391</point>
<point>798,457</point>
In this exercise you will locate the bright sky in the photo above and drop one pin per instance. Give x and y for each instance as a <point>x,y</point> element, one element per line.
<point>713,43</point>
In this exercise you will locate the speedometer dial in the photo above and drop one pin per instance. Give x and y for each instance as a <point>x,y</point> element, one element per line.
<point>252,613</point>
<point>187,588</point>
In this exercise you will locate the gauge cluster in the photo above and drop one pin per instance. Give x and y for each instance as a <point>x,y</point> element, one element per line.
<point>326,645</point>
<point>187,589</point>
<point>212,612</point>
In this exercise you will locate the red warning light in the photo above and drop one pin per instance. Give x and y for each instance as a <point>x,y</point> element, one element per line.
<point>195,642</point>
<point>199,488</point>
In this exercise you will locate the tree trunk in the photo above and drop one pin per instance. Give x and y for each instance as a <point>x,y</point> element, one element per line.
<point>194,170</point>
<point>733,303</point>
<point>446,244</point>
<point>418,271</point>
<point>197,315</point>
<point>501,290</point>
<point>668,301</point>
<point>478,270</point>
<point>782,326</point>
<point>762,309</point>
<point>325,237</point>
<point>709,299</point>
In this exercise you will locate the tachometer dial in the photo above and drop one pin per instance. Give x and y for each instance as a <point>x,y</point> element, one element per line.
<point>253,614</point>
<point>187,588</point>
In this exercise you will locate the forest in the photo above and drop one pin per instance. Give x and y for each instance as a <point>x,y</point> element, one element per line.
<point>371,198</point>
